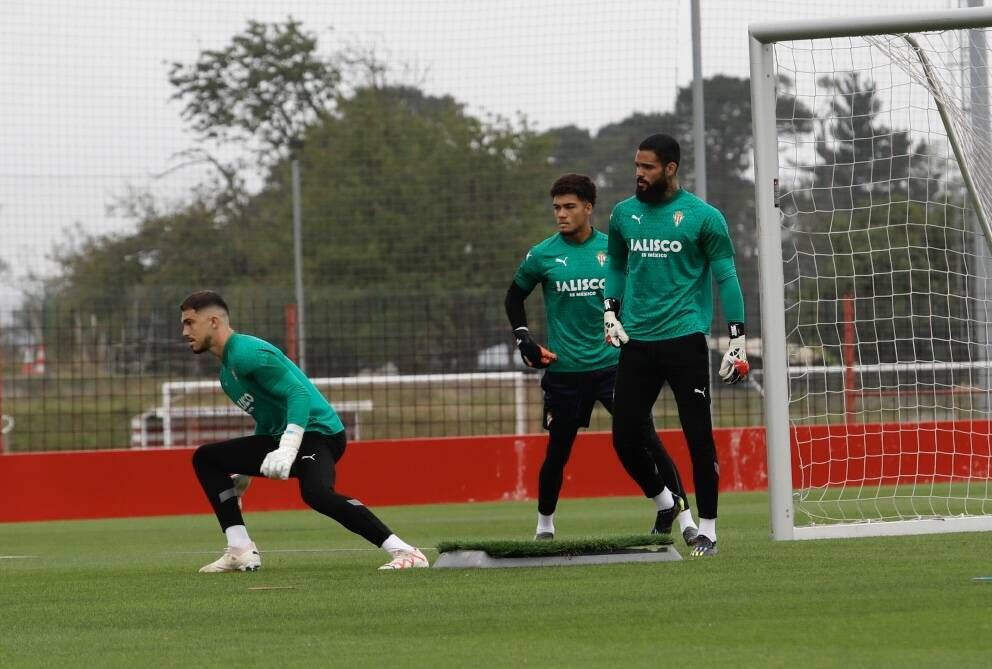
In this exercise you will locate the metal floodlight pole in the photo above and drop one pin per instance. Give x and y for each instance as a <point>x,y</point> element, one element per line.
<point>699,131</point>
<point>698,118</point>
<point>298,261</point>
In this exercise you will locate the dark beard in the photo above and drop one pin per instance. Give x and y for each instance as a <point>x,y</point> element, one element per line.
<point>653,194</point>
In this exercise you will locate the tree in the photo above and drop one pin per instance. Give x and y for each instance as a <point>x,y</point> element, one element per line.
<point>870,228</point>
<point>608,157</point>
<point>265,89</point>
<point>860,157</point>
<point>420,212</point>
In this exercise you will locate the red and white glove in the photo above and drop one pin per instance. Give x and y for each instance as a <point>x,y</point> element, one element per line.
<point>734,367</point>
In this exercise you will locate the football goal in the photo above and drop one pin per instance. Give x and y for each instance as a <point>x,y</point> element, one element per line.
<point>873,183</point>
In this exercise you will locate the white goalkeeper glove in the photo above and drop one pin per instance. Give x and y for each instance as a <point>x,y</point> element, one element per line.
<point>277,463</point>
<point>734,366</point>
<point>615,334</point>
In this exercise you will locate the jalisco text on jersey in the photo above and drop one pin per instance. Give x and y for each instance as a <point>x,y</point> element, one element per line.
<point>576,285</point>
<point>663,245</point>
<point>246,402</point>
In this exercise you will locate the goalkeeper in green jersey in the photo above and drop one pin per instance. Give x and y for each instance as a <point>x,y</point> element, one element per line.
<point>665,244</point>
<point>297,435</point>
<point>570,266</point>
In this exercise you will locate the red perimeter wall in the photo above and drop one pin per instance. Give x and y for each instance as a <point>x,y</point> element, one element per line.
<point>118,483</point>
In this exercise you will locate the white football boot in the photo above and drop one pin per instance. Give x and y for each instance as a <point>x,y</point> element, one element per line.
<point>406,560</point>
<point>246,559</point>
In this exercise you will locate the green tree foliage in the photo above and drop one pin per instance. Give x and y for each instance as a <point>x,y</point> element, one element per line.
<point>265,88</point>
<point>421,181</point>
<point>416,212</point>
<point>860,157</point>
<point>413,208</point>
<point>871,226</point>
<point>608,156</point>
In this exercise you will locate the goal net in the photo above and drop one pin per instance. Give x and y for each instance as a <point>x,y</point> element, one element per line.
<point>874,188</point>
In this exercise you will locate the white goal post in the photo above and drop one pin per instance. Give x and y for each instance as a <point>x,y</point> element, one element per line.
<point>873,188</point>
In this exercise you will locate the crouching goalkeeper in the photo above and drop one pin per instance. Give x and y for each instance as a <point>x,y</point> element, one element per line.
<point>297,435</point>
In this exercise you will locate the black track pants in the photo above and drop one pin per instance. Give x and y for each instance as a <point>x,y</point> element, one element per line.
<point>314,470</point>
<point>644,368</point>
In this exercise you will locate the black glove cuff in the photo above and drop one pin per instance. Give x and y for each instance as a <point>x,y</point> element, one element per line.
<point>612,304</point>
<point>736,329</point>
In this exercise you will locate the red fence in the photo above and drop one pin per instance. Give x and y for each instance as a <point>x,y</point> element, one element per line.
<point>103,484</point>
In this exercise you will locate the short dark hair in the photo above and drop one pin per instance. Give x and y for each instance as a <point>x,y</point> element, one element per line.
<point>578,185</point>
<point>202,299</point>
<point>664,146</point>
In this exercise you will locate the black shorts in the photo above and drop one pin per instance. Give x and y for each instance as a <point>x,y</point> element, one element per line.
<point>570,396</point>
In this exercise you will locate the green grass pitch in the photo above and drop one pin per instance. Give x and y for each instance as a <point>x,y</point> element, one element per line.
<point>125,593</point>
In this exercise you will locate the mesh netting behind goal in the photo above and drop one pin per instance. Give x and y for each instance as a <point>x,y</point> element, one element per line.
<point>887,274</point>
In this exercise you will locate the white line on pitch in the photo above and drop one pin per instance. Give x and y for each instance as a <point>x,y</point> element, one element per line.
<point>284,550</point>
<point>17,557</point>
<point>294,550</point>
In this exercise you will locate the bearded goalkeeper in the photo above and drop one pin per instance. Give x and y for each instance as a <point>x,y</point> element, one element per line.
<point>665,244</point>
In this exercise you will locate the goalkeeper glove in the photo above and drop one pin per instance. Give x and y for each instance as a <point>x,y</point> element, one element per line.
<point>533,354</point>
<point>277,463</point>
<point>615,334</point>
<point>734,366</point>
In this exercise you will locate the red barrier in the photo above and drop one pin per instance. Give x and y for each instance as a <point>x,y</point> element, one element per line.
<point>119,483</point>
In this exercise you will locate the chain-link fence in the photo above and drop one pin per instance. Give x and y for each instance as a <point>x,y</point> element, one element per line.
<point>150,149</point>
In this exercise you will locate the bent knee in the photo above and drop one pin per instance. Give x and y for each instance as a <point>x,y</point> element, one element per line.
<point>317,495</point>
<point>200,455</point>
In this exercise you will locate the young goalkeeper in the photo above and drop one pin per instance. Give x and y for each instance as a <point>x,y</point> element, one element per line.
<point>571,268</point>
<point>297,435</point>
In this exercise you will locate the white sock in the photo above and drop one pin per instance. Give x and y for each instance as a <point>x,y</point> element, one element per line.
<point>393,543</point>
<point>545,523</point>
<point>685,520</point>
<point>707,527</point>
<point>237,536</point>
<point>664,499</point>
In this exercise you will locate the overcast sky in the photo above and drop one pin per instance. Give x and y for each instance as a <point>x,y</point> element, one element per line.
<point>86,110</point>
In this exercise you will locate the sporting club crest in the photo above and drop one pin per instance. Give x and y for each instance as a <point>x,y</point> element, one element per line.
<point>601,257</point>
<point>677,218</point>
